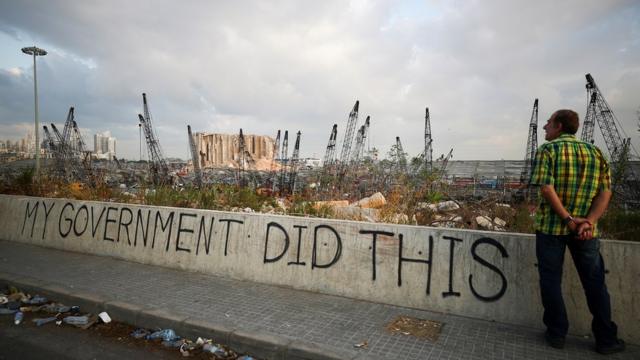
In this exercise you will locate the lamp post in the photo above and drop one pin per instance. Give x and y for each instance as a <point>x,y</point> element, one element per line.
<point>34,51</point>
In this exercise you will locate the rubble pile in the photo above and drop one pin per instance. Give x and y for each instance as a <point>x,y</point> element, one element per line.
<point>41,311</point>
<point>448,214</point>
<point>222,191</point>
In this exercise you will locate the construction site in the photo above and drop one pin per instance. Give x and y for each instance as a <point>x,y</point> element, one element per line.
<point>246,172</point>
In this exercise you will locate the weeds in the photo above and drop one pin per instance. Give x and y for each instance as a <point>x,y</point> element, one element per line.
<point>302,207</point>
<point>620,224</point>
<point>406,203</point>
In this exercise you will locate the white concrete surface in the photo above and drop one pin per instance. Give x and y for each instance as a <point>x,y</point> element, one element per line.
<point>481,274</point>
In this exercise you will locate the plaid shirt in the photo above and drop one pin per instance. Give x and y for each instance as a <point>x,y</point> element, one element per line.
<point>577,171</point>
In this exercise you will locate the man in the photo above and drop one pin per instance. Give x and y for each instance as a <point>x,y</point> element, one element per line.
<point>575,188</point>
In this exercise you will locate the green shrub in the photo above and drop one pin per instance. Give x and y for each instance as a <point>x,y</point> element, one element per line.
<point>618,224</point>
<point>24,182</point>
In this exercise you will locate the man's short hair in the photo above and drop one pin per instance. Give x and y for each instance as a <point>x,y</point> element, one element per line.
<point>569,121</point>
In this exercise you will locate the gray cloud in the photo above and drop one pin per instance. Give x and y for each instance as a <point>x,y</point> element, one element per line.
<point>296,65</point>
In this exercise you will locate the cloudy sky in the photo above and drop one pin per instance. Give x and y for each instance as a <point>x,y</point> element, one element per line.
<point>300,65</point>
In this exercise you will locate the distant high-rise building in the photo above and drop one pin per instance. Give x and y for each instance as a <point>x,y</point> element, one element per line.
<point>104,146</point>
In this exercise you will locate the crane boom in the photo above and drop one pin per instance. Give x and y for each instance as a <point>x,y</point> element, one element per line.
<point>532,145</point>
<point>606,120</point>
<point>81,157</point>
<point>194,157</point>
<point>284,160</point>
<point>68,125</point>
<point>329,155</point>
<point>589,122</point>
<point>62,152</point>
<point>625,181</point>
<point>294,164</point>
<point>348,138</point>
<point>428,142</point>
<point>274,172</point>
<point>355,158</point>
<point>401,157</point>
<point>118,165</point>
<point>54,148</point>
<point>157,163</point>
<point>361,138</point>
<point>445,162</point>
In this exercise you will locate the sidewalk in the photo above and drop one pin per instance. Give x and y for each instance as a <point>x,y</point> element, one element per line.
<point>266,321</point>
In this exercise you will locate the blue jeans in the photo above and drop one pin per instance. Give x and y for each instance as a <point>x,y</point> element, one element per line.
<point>590,266</point>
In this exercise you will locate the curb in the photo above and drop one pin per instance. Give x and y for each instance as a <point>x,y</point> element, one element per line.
<point>259,344</point>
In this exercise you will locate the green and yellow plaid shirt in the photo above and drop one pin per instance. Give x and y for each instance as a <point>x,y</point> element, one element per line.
<point>577,170</point>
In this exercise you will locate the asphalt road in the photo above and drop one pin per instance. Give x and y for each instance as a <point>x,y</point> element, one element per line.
<point>26,341</point>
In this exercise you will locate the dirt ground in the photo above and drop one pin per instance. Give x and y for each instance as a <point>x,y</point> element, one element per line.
<point>115,331</point>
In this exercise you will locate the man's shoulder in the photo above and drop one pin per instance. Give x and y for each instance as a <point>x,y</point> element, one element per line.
<point>565,139</point>
<point>590,147</point>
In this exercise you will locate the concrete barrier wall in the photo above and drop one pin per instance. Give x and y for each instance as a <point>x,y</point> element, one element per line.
<point>486,275</point>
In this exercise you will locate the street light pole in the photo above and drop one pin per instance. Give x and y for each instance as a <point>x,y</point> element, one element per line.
<point>34,51</point>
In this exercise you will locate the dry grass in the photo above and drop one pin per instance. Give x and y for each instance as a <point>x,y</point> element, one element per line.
<point>405,204</point>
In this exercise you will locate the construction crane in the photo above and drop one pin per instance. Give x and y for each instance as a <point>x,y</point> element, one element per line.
<point>194,157</point>
<point>328,162</point>
<point>283,160</point>
<point>348,138</point>
<point>157,164</point>
<point>606,120</point>
<point>76,140</point>
<point>589,122</point>
<point>618,147</point>
<point>532,145</point>
<point>445,162</point>
<point>68,126</point>
<point>59,140</point>
<point>51,145</point>
<point>274,172</point>
<point>400,157</point>
<point>361,139</point>
<point>365,135</point>
<point>65,147</point>
<point>428,142</point>
<point>241,160</point>
<point>73,161</point>
<point>82,156</point>
<point>62,166</point>
<point>329,155</point>
<point>54,149</point>
<point>293,172</point>
<point>355,157</point>
<point>118,165</point>
<point>244,158</point>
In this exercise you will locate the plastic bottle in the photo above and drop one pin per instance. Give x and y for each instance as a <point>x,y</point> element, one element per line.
<point>210,348</point>
<point>173,343</point>
<point>42,321</point>
<point>17,319</point>
<point>166,335</point>
<point>139,333</point>
<point>76,320</point>
<point>36,300</point>
<point>56,308</point>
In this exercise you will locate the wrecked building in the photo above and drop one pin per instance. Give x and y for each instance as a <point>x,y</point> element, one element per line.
<point>222,150</point>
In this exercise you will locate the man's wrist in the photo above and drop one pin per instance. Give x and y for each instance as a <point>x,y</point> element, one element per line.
<point>568,220</point>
